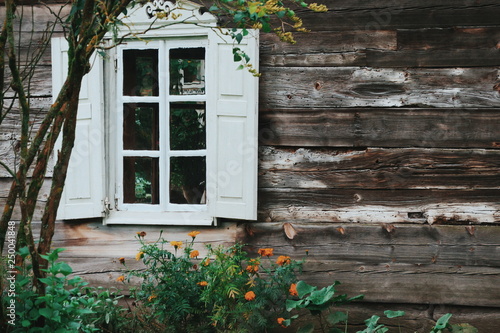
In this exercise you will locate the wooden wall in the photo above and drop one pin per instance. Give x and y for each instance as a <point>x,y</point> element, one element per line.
<point>380,137</point>
<point>379,154</point>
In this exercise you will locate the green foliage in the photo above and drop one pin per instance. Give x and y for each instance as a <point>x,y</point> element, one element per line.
<point>68,304</point>
<point>317,302</point>
<point>225,291</point>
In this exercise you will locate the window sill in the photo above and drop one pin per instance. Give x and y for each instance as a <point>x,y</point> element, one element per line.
<point>160,218</point>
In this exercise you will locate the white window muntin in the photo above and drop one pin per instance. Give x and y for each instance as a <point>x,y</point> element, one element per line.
<point>163,100</point>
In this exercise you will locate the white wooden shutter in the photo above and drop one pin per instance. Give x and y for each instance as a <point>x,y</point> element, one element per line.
<point>232,168</point>
<point>83,191</point>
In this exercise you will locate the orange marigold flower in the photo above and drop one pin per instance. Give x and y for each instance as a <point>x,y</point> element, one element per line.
<point>252,268</point>
<point>139,256</point>
<point>293,290</point>
<point>121,278</point>
<point>122,260</point>
<point>203,283</point>
<point>250,296</point>
<point>280,321</point>
<point>152,297</point>
<point>141,233</point>
<point>268,252</point>
<point>194,254</point>
<point>193,234</point>
<point>206,262</point>
<point>282,260</point>
<point>176,244</point>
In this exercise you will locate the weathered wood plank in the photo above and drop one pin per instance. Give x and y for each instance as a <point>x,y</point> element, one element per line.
<point>92,239</point>
<point>376,206</point>
<point>379,127</point>
<point>433,58</point>
<point>323,87</point>
<point>44,193</point>
<point>473,47</point>
<point>377,168</point>
<point>432,284</point>
<point>380,244</point>
<point>325,42</point>
<point>387,14</point>
<point>420,318</point>
<point>448,39</point>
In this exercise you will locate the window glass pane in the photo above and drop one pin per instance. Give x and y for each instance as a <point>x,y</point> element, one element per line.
<point>140,126</point>
<point>140,73</point>
<point>140,180</point>
<point>187,71</point>
<point>187,126</point>
<point>187,180</point>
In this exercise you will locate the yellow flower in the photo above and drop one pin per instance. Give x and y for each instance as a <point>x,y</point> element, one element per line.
<point>194,254</point>
<point>139,256</point>
<point>206,262</point>
<point>293,290</point>
<point>317,8</point>
<point>193,234</point>
<point>282,260</point>
<point>176,244</point>
<point>203,283</point>
<point>266,252</point>
<point>121,278</point>
<point>250,296</point>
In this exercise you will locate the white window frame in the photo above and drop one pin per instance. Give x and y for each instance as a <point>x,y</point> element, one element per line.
<point>231,97</point>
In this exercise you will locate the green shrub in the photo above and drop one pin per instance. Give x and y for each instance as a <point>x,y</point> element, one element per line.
<point>225,291</point>
<point>68,304</point>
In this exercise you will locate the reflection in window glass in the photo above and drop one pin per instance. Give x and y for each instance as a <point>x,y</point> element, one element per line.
<point>187,180</point>
<point>187,71</point>
<point>140,180</point>
<point>140,126</point>
<point>140,75</point>
<point>187,126</point>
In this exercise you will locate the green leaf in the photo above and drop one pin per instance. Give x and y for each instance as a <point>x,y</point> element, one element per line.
<point>309,328</point>
<point>394,314</point>
<point>291,304</point>
<point>46,312</point>
<point>239,16</point>
<point>443,321</point>
<point>25,323</point>
<point>47,280</point>
<point>24,252</point>
<point>238,37</point>
<point>322,296</point>
<point>65,269</point>
<point>337,317</point>
<point>213,8</point>
<point>303,288</point>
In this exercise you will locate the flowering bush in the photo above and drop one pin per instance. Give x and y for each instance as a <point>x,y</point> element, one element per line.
<point>226,290</point>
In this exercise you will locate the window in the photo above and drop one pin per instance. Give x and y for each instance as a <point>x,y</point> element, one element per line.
<point>167,132</point>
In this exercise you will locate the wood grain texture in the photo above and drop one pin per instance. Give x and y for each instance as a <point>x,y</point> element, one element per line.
<point>379,244</point>
<point>378,168</point>
<point>388,14</point>
<point>376,206</point>
<point>328,87</point>
<point>380,127</point>
<point>401,265</point>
